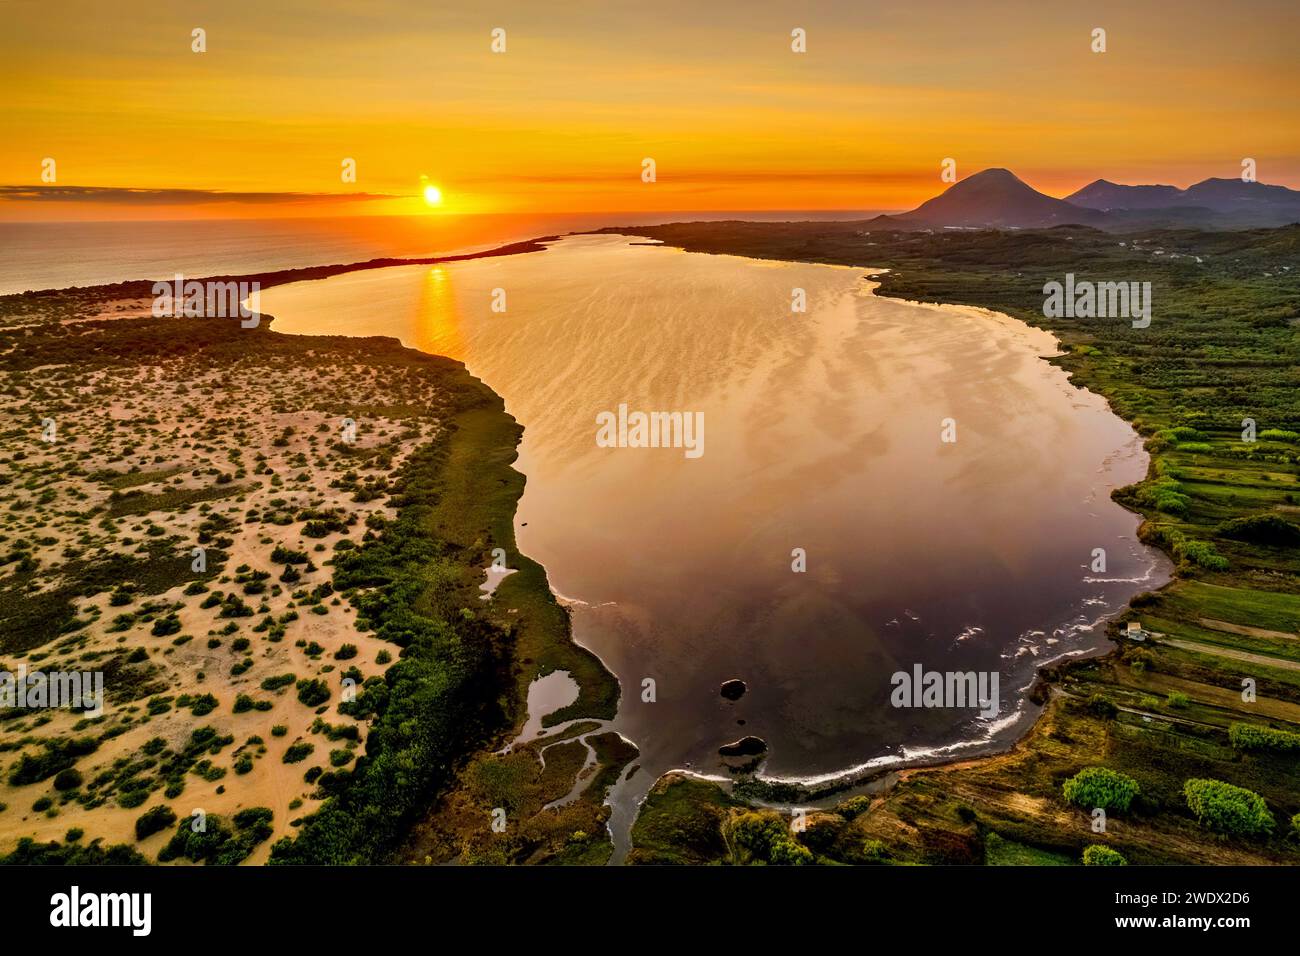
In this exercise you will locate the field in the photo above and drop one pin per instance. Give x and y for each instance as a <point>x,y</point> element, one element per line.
<point>271,547</point>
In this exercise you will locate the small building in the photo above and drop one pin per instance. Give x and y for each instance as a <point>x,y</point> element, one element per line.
<point>1133,631</point>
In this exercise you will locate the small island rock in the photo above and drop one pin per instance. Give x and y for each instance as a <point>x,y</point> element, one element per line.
<point>733,689</point>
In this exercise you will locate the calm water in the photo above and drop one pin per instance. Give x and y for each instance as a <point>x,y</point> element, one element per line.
<point>822,433</point>
<point>59,255</point>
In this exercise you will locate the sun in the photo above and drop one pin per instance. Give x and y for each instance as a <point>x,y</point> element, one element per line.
<point>432,195</point>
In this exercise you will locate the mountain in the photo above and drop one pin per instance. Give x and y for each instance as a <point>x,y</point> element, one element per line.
<point>1213,202</point>
<point>996,198</point>
<point>1104,195</point>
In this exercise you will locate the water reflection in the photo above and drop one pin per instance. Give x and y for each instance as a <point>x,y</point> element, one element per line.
<point>823,435</point>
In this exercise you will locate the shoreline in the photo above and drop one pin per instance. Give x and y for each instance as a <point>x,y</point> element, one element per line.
<point>1079,724</point>
<point>820,788</point>
<point>1018,724</point>
<point>139,288</point>
<point>824,786</point>
<point>441,486</point>
<point>862,776</point>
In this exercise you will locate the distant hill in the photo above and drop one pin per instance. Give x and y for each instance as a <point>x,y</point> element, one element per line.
<point>1213,202</point>
<point>1105,195</point>
<point>997,198</point>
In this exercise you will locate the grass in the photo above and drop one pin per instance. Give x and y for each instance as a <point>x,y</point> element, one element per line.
<point>476,513</point>
<point>681,823</point>
<point>139,503</point>
<point>30,620</point>
<point>1002,852</point>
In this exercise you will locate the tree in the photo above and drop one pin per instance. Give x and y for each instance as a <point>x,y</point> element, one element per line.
<point>1228,809</point>
<point>1099,787</point>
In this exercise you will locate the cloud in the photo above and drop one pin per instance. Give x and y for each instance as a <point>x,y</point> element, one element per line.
<point>171,197</point>
<point>711,177</point>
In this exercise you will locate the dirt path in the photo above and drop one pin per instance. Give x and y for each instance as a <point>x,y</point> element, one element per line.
<point>1235,655</point>
<point>1246,631</point>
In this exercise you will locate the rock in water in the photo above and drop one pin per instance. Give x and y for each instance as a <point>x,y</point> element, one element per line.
<point>733,689</point>
<point>744,747</point>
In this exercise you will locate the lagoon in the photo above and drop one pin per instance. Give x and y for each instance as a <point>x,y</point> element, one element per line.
<point>826,437</point>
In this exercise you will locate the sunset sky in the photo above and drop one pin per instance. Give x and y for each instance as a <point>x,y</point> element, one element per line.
<point>561,121</point>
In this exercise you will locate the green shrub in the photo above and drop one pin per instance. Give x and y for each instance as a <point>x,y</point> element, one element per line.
<point>298,752</point>
<point>1226,808</point>
<point>1102,706</point>
<point>30,853</point>
<point>1200,553</point>
<point>1141,660</point>
<point>69,779</point>
<point>200,706</point>
<point>254,822</point>
<point>1100,787</point>
<point>1163,494</point>
<point>874,851</point>
<point>57,755</point>
<point>1267,529</point>
<point>1188,550</point>
<point>765,838</point>
<point>1098,855</point>
<point>154,820</point>
<point>1255,737</point>
<point>171,624</point>
<point>218,844</point>
<point>313,693</point>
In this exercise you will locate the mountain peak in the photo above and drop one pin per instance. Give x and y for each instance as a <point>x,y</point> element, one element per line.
<point>996,197</point>
<point>1214,198</point>
<point>994,174</point>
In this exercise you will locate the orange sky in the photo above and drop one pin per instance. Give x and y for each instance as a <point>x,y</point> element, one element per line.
<point>562,120</point>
